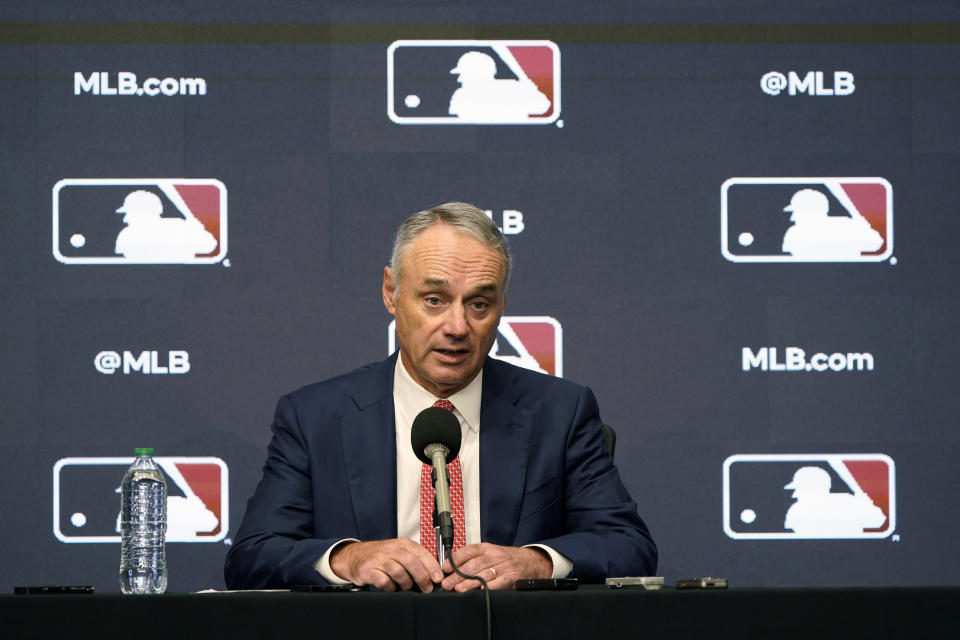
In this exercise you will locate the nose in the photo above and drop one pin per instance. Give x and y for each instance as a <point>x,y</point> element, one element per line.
<point>455,322</point>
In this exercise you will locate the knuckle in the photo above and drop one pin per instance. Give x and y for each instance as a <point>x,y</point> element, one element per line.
<point>383,583</point>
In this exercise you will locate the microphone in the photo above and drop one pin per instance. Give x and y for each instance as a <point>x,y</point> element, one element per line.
<point>435,438</point>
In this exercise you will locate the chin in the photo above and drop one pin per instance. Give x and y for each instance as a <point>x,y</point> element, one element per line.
<point>447,380</point>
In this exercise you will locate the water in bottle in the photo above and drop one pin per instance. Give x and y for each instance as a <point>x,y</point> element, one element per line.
<point>143,526</point>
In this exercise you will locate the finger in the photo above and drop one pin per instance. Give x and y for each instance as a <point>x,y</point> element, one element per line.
<point>418,563</point>
<point>501,584</point>
<point>380,580</point>
<point>450,582</point>
<point>467,585</point>
<point>463,558</point>
<point>479,566</point>
<point>427,559</point>
<point>421,571</point>
<point>421,564</point>
<point>397,573</point>
<point>465,554</point>
<point>500,579</point>
<point>454,581</point>
<point>498,569</point>
<point>503,581</point>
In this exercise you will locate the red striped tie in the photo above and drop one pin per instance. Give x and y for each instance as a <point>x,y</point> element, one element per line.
<point>428,535</point>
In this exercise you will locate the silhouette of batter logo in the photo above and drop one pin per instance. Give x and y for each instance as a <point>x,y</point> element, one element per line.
<point>197,498</point>
<point>819,513</point>
<point>148,235</point>
<point>816,496</point>
<point>482,97</point>
<point>118,221</point>
<point>807,220</point>
<point>473,82</point>
<point>815,235</point>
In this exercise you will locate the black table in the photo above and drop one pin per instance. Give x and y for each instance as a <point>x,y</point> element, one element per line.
<point>588,613</point>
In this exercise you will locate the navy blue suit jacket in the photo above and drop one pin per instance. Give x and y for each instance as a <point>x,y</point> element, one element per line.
<point>545,477</point>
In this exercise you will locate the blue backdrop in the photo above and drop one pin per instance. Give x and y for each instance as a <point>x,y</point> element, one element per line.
<point>646,208</point>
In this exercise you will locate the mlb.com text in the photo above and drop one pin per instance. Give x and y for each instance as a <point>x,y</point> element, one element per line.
<point>795,359</point>
<point>100,83</point>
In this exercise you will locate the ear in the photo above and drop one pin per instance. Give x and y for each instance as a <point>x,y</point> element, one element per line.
<point>389,291</point>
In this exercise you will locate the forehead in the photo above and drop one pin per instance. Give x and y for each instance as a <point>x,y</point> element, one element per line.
<point>443,252</point>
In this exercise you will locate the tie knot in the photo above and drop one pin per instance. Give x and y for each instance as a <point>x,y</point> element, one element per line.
<point>444,404</point>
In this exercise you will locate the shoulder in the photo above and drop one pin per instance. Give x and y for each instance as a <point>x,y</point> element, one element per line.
<point>525,384</point>
<point>368,382</point>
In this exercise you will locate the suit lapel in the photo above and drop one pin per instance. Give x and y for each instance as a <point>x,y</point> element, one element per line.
<point>370,457</point>
<point>505,437</point>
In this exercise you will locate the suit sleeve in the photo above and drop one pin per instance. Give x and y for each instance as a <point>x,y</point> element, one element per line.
<point>275,546</point>
<point>603,533</point>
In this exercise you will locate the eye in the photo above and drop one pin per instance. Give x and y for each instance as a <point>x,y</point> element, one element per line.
<point>480,305</point>
<point>432,301</point>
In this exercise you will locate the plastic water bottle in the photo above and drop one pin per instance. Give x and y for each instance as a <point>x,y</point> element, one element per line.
<point>143,526</point>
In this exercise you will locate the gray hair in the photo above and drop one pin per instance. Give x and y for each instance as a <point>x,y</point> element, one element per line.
<point>464,218</point>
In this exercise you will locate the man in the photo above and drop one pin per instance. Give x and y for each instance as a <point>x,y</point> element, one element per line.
<point>339,500</point>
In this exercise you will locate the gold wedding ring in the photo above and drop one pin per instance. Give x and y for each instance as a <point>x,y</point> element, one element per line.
<point>494,572</point>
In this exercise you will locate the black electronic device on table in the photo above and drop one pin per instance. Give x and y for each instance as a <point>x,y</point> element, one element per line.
<point>546,584</point>
<point>53,590</point>
<point>702,583</point>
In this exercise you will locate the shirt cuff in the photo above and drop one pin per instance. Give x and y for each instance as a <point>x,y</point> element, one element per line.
<point>562,565</point>
<point>322,564</point>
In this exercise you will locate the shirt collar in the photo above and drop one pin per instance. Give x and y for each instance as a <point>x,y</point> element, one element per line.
<point>466,401</point>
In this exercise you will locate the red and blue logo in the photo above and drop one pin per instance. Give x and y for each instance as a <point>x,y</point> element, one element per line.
<point>809,496</point>
<point>473,82</point>
<point>139,221</point>
<point>806,220</point>
<point>86,498</point>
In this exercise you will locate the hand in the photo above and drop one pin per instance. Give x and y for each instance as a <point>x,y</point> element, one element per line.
<point>508,565</point>
<point>386,564</point>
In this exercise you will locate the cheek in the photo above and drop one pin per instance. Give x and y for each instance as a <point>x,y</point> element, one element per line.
<point>486,332</point>
<point>415,329</point>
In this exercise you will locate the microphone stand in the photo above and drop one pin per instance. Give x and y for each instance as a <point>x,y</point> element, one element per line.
<point>445,546</point>
<point>441,551</point>
<point>443,520</point>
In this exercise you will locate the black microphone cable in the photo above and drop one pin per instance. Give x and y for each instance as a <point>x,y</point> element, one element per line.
<point>483,584</point>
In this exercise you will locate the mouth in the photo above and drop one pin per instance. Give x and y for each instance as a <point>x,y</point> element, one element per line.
<point>452,355</point>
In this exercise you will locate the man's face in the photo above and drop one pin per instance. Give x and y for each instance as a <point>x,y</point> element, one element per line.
<point>447,304</point>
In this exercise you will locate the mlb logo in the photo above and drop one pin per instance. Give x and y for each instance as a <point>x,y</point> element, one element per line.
<point>806,219</point>
<point>139,221</point>
<point>808,496</point>
<point>86,498</point>
<point>531,342</point>
<point>473,82</point>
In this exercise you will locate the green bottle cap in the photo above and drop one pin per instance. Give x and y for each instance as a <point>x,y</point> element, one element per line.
<point>143,451</point>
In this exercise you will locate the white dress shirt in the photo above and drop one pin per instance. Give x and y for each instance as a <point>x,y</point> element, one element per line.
<point>409,399</point>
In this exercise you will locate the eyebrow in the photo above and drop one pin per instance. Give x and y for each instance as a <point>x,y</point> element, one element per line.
<point>440,283</point>
<point>486,288</point>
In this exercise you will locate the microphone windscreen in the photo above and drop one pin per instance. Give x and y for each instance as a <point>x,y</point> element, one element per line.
<point>435,425</point>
